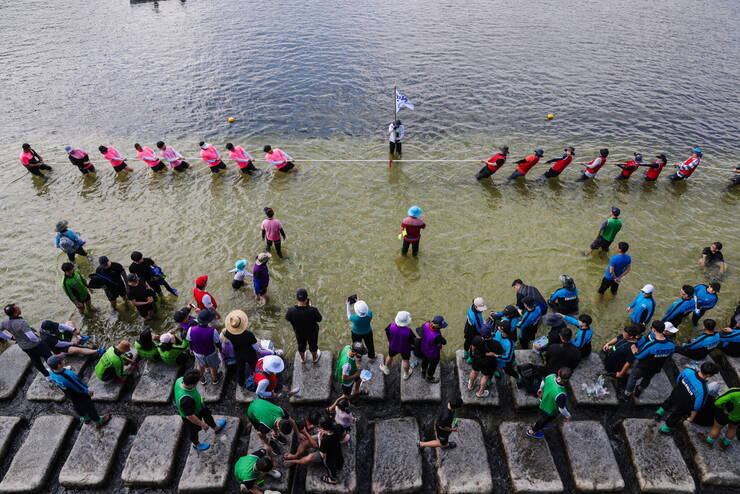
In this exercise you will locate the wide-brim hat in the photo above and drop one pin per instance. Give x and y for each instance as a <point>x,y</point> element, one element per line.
<point>403,318</point>
<point>236,322</point>
<point>273,364</point>
<point>61,226</point>
<point>263,258</point>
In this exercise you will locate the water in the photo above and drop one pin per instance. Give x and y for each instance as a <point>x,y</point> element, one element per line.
<point>317,80</point>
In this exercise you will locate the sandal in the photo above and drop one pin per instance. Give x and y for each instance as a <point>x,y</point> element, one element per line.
<point>328,480</point>
<point>362,392</point>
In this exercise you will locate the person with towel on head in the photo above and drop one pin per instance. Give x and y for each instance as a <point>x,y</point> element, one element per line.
<point>80,159</point>
<point>411,227</point>
<point>211,157</point>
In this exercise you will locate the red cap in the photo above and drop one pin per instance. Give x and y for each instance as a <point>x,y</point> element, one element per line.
<point>201,280</point>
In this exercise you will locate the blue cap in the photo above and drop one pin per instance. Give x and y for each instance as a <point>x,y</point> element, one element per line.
<point>415,211</point>
<point>440,321</point>
<point>697,150</point>
<point>241,264</point>
<point>55,360</point>
<point>206,316</point>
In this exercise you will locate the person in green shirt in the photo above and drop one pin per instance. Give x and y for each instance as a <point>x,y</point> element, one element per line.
<point>75,288</point>
<point>553,399</point>
<point>194,414</point>
<point>250,471</point>
<point>347,371</point>
<point>115,363</point>
<point>271,422</point>
<point>726,413</point>
<point>607,233</point>
<point>172,350</point>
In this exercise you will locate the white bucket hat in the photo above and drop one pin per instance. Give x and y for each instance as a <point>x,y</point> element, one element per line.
<point>273,363</point>
<point>361,308</point>
<point>403,319</point>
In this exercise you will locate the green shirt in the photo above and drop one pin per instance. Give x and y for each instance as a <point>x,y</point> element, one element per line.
<point>170,356</point>
<point>109,359</point>
<point>611,228</point>
<point>181,392</point>
<point>344,358</point>
<point>263,412</point>
<point>75,287</point>
<point>244,468</point>
<point>550,392</point>
<point>146,354</point>
<point>730,402</point>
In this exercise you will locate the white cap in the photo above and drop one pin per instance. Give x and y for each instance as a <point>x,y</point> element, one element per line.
<point>648,288</point>
<point>165,338</point>
<point>670,328</point>
<point>361,308</point>
<point>205,145</point>
<point>273,363</point>
<point>403,319</point>
<point>480,304</point>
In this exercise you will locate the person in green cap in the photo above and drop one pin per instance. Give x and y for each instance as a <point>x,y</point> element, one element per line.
<point>271,422</point>
<point>607,232</point>
<point>347,371</point>
<point>75,288</point>
<point>115,364</point>
<point>250,471</point>
<point>553,399</point>
<point>172,350</point>
<point>194,414</point>
<point>726,413</point>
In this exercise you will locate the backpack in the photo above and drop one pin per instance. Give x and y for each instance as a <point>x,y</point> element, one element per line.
<point>530,378</point>
<point>67,244</point>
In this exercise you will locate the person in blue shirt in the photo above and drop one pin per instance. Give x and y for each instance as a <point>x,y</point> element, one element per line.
<point>565,300</point>
<point>582,339</point>
<point>505,362</point>
<point>699,347</point>
<point>360,321</point>
<point>76,390</point>
<point>473,324</point>
<point>642,308</point>
<point>682,307</point>
<point>705,297</point>
<point>529,321</point>
<point>619,266</point>
<point>511,314</point>
<point>688,397</point>
<point>729,341</point>
<point>69,242</point>
<point>649,359</point>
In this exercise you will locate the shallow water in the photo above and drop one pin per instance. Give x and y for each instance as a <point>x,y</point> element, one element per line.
<point>319,84</point>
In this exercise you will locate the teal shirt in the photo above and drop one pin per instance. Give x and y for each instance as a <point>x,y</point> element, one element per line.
<point>361,325</point>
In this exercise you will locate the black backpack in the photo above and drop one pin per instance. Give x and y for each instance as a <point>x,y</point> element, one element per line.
<point>530,378</point>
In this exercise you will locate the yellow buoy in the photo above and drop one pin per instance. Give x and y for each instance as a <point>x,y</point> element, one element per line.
<point>550,116</point>
<point>231,120</point>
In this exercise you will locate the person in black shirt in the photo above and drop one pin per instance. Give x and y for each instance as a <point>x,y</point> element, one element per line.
<point>523,291</point>
<point>113,279</point>
<point>559,355</point>
<point>141,296</point>
<point>149,272</point>
<point>329,440</point>
<point>305,320</point>
<point>484,350</point>
<point>618,356</point>
<point>244,343</point>
<point>445,425</point>
<point>711,257</point>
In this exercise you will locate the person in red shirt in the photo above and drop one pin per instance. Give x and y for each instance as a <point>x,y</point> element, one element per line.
<point>32,161</point>
<point>655,168</point>
<point>525,165</point>
<point>559,164</point>
<point>411,227</point>
<point>493,163</point>
<point>593,166</point>
<point>630,167</point>
<point>203,299</point>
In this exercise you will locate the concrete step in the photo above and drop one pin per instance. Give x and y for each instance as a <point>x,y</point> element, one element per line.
<point>658,391</point>
<point>468,396</point>
<point>656,459</point>
<point>347,478</point>
<point>416,389</point>
<point>681,362</point>
<point>587,372</point>
<point>730,365</point>
<point>207,471</point>
<point>41,390</point>
<point>8,428</point>
<point>715,466</point>
<point>313,379</point>
<point>14,364</point>
<point>376,385</point>
<point>281,484</point>
<point>105,391</point>
<point>531,466</point>
<point>212,393</point>
<point>151,461</point>
<point>464,469</point>
<point>521,398</point>
<point>244,396</point>
<point>590,457</point>
<point>92,455</point>
<point>155,384</point>
<point>35,459</point>
<point>397,462</point>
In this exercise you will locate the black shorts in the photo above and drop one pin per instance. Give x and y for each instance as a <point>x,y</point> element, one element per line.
<point>112,293</point>
<point>286,167</point>
<point>600,243</point>
<point>144,310</point>
<point>722,418</point>
<point>237,284</point>
<point>184,165</point>
<point>443,436</point>
<point>218,166</point>
<point>119,168</point>
<point>158,167</point>
<point>551,173</point>
<point>85,171</point>
<point>404,355</point>
<point>484,366</point>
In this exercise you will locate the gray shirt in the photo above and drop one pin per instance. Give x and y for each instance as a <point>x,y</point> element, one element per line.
<point>24,334</point>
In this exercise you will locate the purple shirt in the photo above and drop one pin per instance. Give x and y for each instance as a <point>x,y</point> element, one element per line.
<point>429,347</point>
<point>202,340</point>
<point>399,338</point>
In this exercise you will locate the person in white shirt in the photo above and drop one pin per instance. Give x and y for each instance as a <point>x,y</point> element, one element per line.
<point>396,131</point>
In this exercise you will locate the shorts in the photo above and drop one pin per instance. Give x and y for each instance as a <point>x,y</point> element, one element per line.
<point>484,366</point>
<point>443,436</point>
<point>286,167</point>
<point>722,418</point>
<point>158,167</point>
<point>182,166</point>
<point>259,288</point>
<point>551,173</point>
<point>237,284</point>
<point>600,243</point>
<point>218,166</point>
<point>404,355</point>
<point>113,294</point>
<point>211,360</point>
<point>119,168</point>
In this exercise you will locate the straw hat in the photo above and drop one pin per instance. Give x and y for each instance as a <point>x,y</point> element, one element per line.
<point>236,322</point>
<point>263,258</point>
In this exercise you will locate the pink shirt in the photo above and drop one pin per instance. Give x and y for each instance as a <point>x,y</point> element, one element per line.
<point>241,157</point>
<point>147,154</point>
<point>277,157</point>
<point>171,156</point>
<point>113,156</point>
<point>210,155</point>
<point>26,157</point>
<point>272,227</point>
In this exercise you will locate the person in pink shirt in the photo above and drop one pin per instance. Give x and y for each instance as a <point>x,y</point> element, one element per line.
<point>172,157</point>
<point>116,160</point>
<point>242,158</point>
<point>80,159</point>
<point>211,157</point>
<point>148,156</point>
<point>32,161</point>
<point>279,158</point>
<point>272,229</point>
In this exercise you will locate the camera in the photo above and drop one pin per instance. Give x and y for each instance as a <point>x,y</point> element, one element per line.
<point>352,299</point>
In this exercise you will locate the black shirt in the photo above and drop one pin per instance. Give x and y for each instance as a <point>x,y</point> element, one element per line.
<point>481,346</point>
<point>143,269</point>
<point>529,291</point>
<point>619,354</point>
<point>242,344</point>
<point>331,446</point>
<point>303,319</point>
<point>446,417</point>
<point>713,257</point>
<point>115,273</point>
<point>562,355</point>
<point>139,293</point>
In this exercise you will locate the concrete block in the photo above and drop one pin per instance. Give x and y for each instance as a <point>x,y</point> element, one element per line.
<point>681,362</point>
<point>347,479</point>
<point>14,364</point>
<point>416,389</point>
<point>92,455</point>
<point>281,484</point>
<point>105,391</point>
<point>521,398</point>
<point>715,466</point>
<point>586,373</point>
<point>151,461</point>
<point>313,379</point>
<point>464,469</point>
<point>468,396</point>
<point>211,393</point>
<point>8,428</point>
<point>244,396</point>
<point>590,457</point>
<point>656,459</point>
<point>34,460</point>
<point>659,389</point>
<point>208,471</point>
<point>397,462</point>
<point>376,385</point>
<point>155,384</point>
<point>531,466</point>
<point>41,390</point>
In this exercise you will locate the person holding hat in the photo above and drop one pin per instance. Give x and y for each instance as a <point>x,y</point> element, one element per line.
<point>360,321</point>
<point>76,391</point>
<point>75,288</point>
<point>278,158</point>
<point>700,347</point>
<point>705,298</point>
<point>526,164</point>
<point>473,325</point>
<point>115,364</point>
<point>565,300</point>
<point>654,168</point>
<point>347,371</point>
<point>112,276</point>
<point>688,167</point>
<point>68,241</point>
<point>115,159</point>
<point>560,164</point>
<point>266,370</point>
<point>32,161</point>
<point>396,133</point>
<point>682,307</point>
<point>242,158</point>
<point>195,415</point>
<point>432,342</point>
<point>630,167</point>
<point>401,341</point>
<point>607,232</point>
<point>205,344</point>
<point>172,349</point>
<point>171,156</point>
<point>203,299</point>
<point>80,159</point>
<point>272,230</point>
<point>650,357</point>
<point>411,228</point>
<point>593,166</point>
<point>642,308</point>
<point>244,343</point>
<point>493,163</point>
<point>619,266</point>
<point>261,277</point>
<point>305,320</point>
<point>240,273</point>
<point>211,157</point>
<point>141,296</point>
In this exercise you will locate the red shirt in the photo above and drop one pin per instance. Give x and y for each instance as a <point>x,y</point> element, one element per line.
<point>529,162</point>
<point>629,168</point>
<point>198,295</point>
<point>652,173</point>
<point>492,165</point>
<point>260,375</point>
<point>413,228</point>
<point>560,165</point>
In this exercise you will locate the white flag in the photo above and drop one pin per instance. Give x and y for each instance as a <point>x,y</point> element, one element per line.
<point>402,100</point>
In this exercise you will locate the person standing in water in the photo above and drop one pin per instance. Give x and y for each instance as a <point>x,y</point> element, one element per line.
<point>272,230</point>
<point>630,167</point>
<point>619,266</point>
<point>69,242</point>
<point>148,156</point>
<point>75,288</point>
<point>396,133</point>
<point>261,277</point>
<point>33,162</point>
<point>655,168</point>
<point>526,164</point>
<point>493,163</point>
<point>411,227</point>
<point>211,157</point>
<point>115,159</point>
<point>281,160</point>
<point>593,166</point>
<point>607,232</point>
<point>560,164</point>
<point>242,158</point>
<point>688,167</point>
<point>80,159</point>
<point>172,157</point>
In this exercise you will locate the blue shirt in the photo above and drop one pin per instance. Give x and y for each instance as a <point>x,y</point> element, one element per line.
<point>69,234</point>
<point>619,262</point>
<point>654,353</point>
<point>475,319</point>
<point>704,299</point>
<point>529,319</point>
<point>643,309</point>
<point>583,336</point>
<point>361,325</point>
<point>694,386</point>
<point>703,342</point>
<point>508,346</point>
<point>68,381</point>
<point>679,308</point>
<point>731,337</point>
